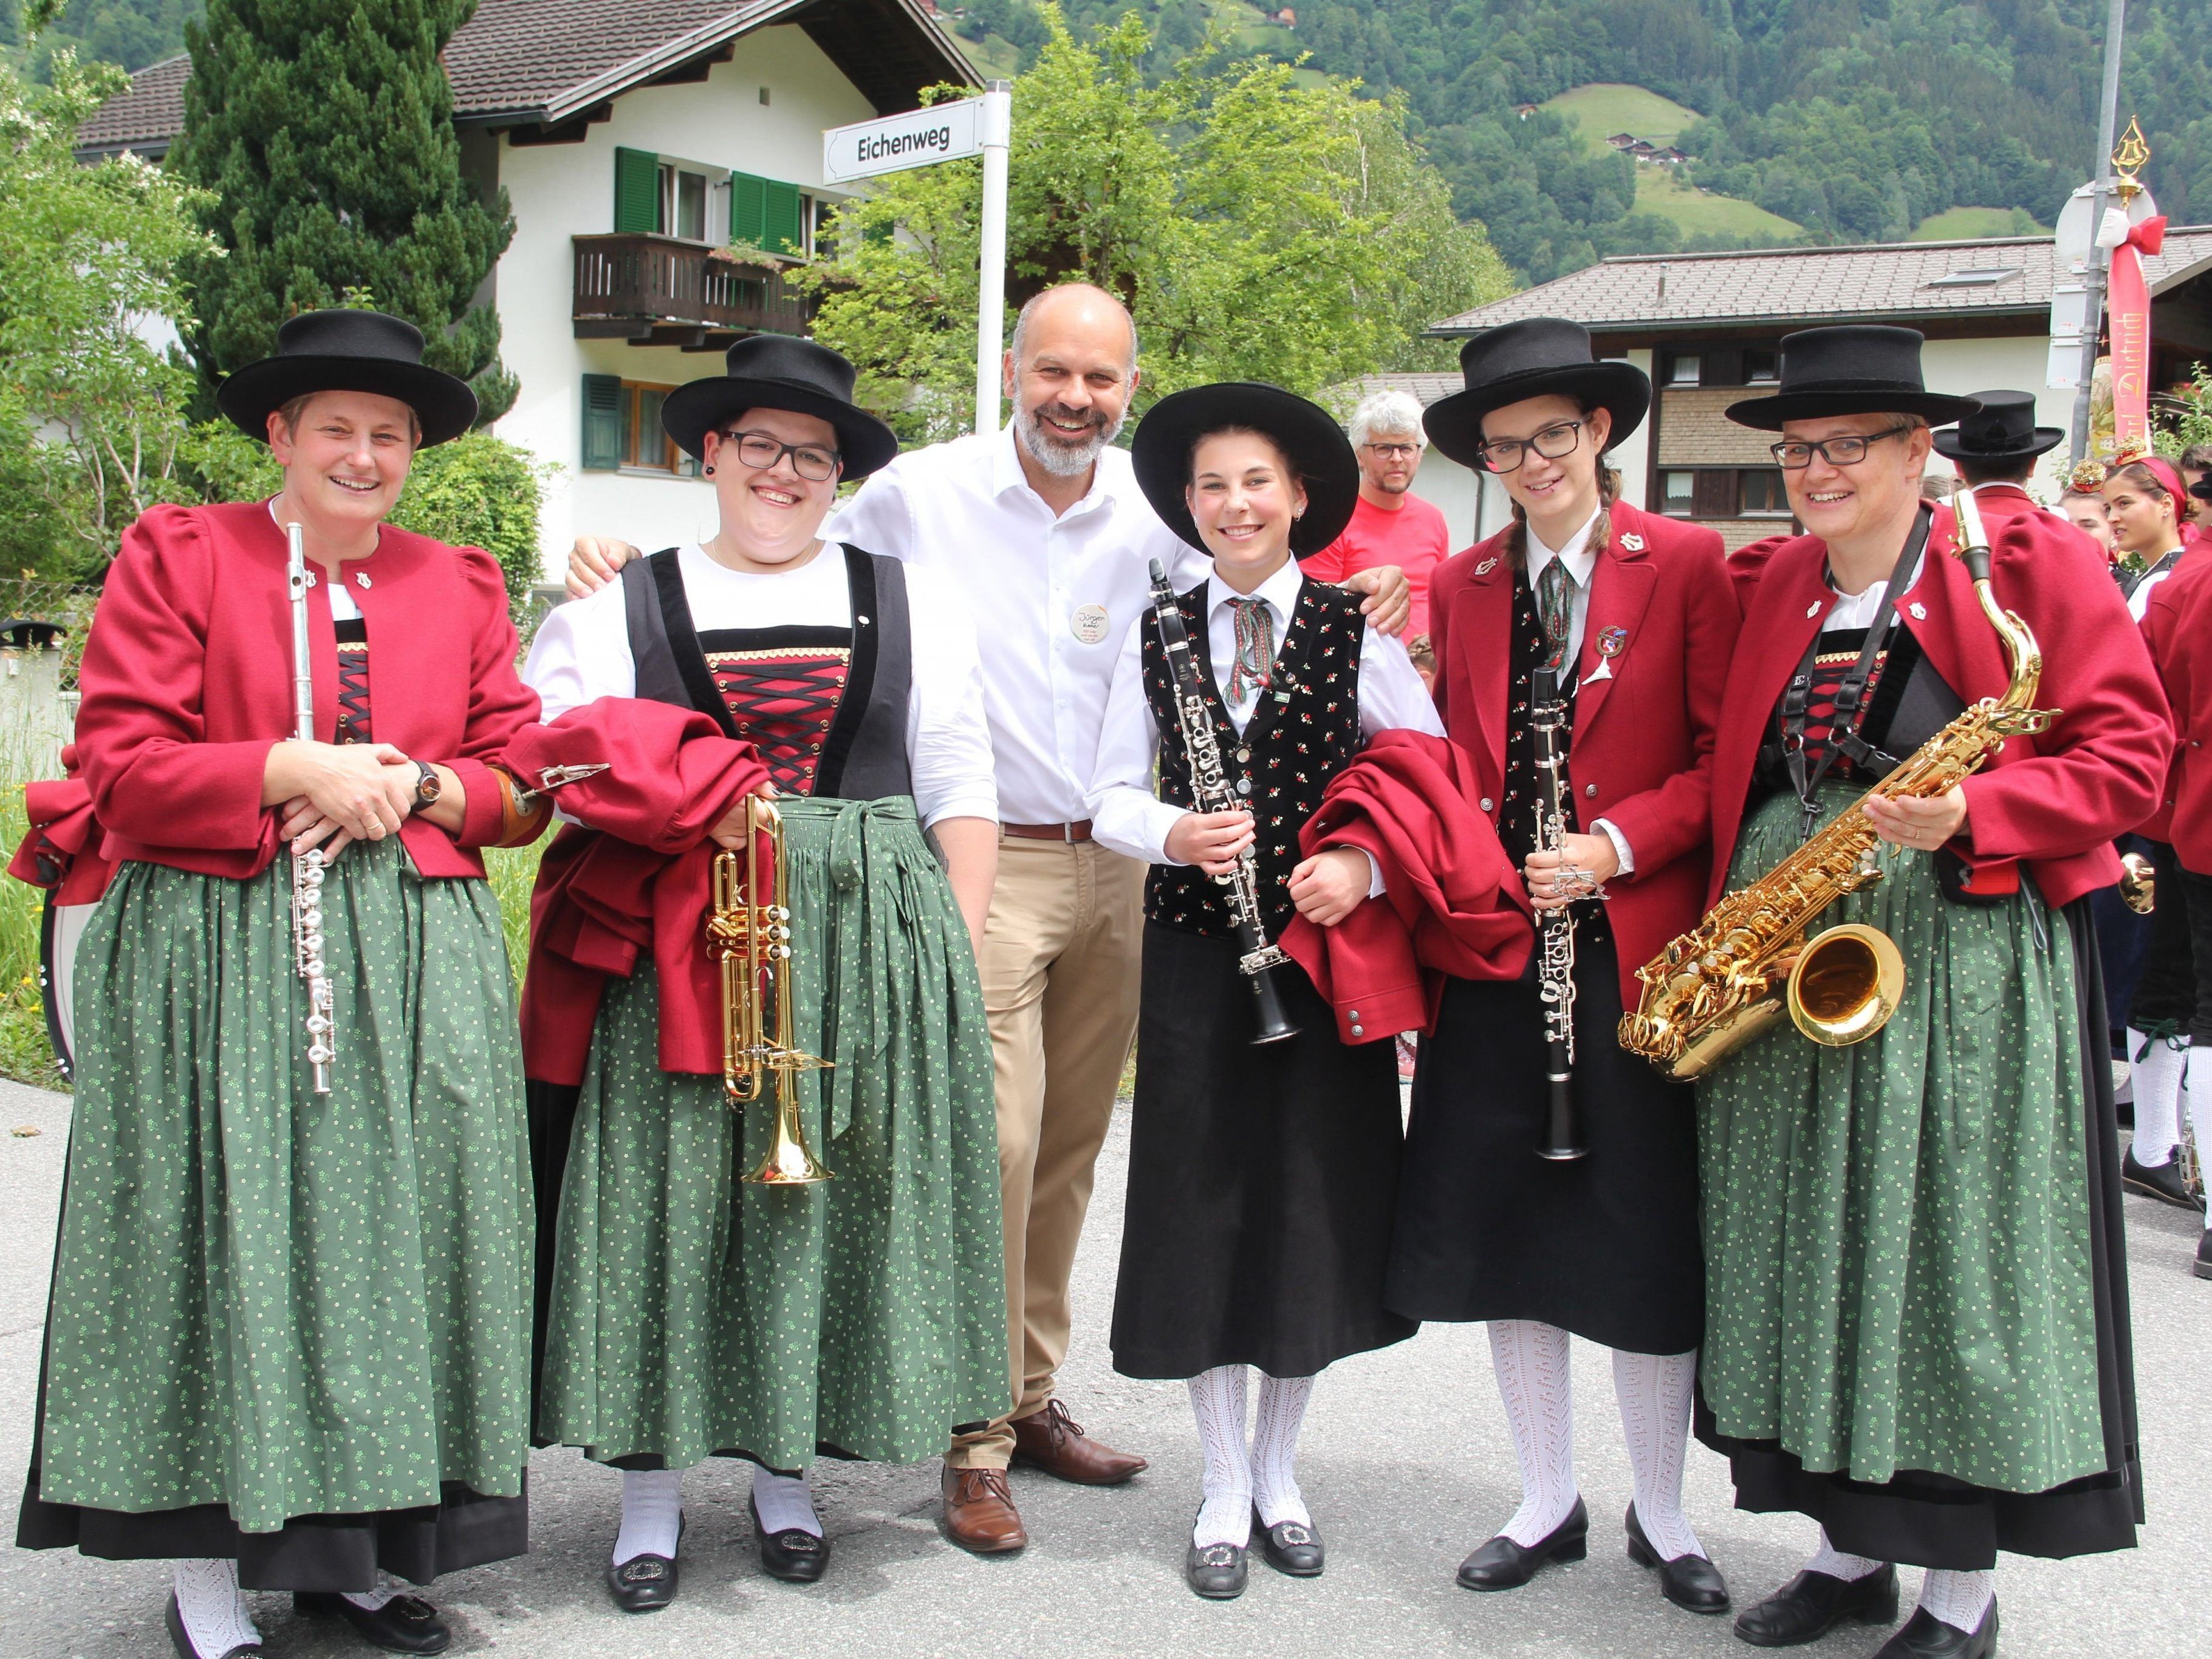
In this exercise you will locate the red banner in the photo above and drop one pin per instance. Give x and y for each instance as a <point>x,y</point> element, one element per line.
<point>2129,307</point>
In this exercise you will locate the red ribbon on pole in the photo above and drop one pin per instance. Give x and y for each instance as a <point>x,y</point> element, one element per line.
<point>2129,307</point>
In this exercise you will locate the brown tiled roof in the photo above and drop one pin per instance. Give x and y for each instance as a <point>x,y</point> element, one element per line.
<point>1426,386</point>
<point>547,60</point>
<point>1891,282</point>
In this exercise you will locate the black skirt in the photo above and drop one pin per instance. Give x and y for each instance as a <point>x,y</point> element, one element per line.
<point>1605,1246</point>
<point>1261,1177</point>
<point>1932,1520</point>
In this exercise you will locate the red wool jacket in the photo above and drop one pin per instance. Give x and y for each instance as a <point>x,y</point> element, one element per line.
<point>638,879</point>
<point>187,681</point>
<point>2054,801</point>
<point>2177,628</point>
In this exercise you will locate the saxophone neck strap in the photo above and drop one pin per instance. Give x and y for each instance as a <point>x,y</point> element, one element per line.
<point>1850,708</point>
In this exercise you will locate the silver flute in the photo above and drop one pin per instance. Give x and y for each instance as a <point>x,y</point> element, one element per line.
<point>307,867</point>
<point>1210,793</point>
<point>1555,968</point>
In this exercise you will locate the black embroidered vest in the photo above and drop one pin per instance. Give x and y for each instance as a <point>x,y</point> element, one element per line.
<point>1524,785</point>
<point>353,680</point>
<point>1303,731</point>
<point>826,707</point>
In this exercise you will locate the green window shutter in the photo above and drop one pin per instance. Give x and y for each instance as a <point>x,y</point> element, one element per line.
<point>603,422</point>
<point>748,209</point>
<point>783,232</point>
<point>637,191</point>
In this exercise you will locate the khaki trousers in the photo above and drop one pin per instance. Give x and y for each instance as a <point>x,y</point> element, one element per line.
<point>1059,970</point>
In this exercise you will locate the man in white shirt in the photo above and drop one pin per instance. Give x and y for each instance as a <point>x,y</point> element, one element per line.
<point>1060,951</point>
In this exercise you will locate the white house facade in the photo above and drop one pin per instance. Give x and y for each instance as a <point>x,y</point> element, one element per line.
<point>664,169</point>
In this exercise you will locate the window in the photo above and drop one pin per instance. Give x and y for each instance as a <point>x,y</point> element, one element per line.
<point>683,203</point>
<point>1677,493</point>
<point>1761,367</point>
<point>769,213</point>
<point>661,196</point>
<point>1980,277</point>
<point>1763,496</point>
<point>621,428</point>
<point>1683,371</point>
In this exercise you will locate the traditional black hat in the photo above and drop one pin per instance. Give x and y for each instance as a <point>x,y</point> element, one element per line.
<point>2002,429</point>
<point>1535,357</point>
<point>349,351</point>
<point>1852,368</point>
<point>774,371</point>
<point>1306,432</point>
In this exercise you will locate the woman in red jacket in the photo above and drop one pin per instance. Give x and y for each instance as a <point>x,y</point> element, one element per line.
<point>288,1342</point>
<point>1636,614</point>
<point>1914,1321</point>
<point>2178,627</point>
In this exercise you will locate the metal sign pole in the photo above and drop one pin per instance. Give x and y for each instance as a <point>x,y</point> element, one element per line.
<point>991,289</point>
<point>2092,301</point>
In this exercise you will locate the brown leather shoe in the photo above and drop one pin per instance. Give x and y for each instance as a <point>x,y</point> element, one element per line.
<point>979,1514</point>
<point>1052,1441</point>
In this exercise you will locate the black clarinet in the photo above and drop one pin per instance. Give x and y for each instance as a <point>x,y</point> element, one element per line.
<point>1555,970</point>
<point>1210,793</point>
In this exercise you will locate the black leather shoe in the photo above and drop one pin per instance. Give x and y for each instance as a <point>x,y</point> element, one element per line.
<point>183,1643</point>
<point>1690,1582</point>
<point>646,1583</point>
<point>1927,1637</point>
<point>1503,1565</point>
<point>2162,1182</point>
<point>794,1555</point>
<point>1812,1604</point>
<point>1217,1573</point>
<point>1291,1547</point>
<point>2204,1254</point>
<point>405,1624</point>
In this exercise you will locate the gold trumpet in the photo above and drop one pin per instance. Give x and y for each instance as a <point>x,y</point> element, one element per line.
<point>752,940</point>
<point>2138,884</point>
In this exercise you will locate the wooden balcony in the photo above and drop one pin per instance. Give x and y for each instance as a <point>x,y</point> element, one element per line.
<point>660,291</point>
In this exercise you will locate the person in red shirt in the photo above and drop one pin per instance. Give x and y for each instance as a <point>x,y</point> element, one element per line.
<point>1390,525</point>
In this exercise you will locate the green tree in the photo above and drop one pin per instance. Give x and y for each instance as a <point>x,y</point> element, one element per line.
<point>1258,229</point>
<point>326,132</point>
<point>93,415</point>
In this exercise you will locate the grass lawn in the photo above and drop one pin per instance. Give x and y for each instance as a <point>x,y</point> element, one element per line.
<point>1959,223</point>
<point>1660,191</point>
<point>1605,107</point>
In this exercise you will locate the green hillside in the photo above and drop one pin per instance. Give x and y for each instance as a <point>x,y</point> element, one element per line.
<point>1956,224</point>
<point>1701,214</point>
<point>1608,107</point>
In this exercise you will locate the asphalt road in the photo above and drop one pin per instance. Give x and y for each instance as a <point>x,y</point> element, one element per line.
<point>1406,1463</point>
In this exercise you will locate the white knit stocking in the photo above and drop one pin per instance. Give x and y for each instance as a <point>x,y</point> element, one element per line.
<point>1959,1599</point>
<point>1533,1381</point>
<point>2157,1065</point>
<point>785,1502</point>
<point>213,1608</point>
<point>370,1600</point>
<point>652,1514</point>
<point>1833,1562</point>
<point>1654,1391</point>
<point>1216,1400</point>
<point>2200,1104</point>
<point>1275,1450</point>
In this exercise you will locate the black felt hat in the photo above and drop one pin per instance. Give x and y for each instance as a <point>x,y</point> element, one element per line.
<point>349,351</point>
<point>1306,432</point>
<point>2002,429</point>
<point>1535,357</point>
<point>774,371</point>
<point>1852,368</point>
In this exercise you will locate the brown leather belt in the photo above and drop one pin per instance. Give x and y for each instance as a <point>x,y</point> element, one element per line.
<point>1079,831</point>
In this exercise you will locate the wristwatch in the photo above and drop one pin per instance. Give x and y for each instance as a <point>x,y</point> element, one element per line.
<point>427,785</point>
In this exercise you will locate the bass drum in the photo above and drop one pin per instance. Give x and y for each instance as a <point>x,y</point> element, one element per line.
<point>60,929</point>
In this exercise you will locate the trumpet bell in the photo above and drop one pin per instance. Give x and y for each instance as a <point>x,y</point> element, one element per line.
<point>788,1163</point>
<point>1845,984</point>
<point>2138,884</point>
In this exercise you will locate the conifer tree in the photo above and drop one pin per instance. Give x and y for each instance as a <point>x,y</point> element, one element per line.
<point>326,133</point>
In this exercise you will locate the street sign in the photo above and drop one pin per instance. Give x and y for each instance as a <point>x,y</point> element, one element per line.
<point>943,132</point>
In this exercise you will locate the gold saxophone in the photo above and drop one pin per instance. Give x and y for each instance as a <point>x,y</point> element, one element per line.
<point>1727,980</point>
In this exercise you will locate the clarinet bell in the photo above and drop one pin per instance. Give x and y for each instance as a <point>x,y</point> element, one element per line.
<point>1274,1024</point>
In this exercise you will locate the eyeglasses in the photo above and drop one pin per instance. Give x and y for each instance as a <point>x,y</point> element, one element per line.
<point>1794,455</point>
<point>760,452</point>
<point>1394,452</point>
<point>1505,454</point>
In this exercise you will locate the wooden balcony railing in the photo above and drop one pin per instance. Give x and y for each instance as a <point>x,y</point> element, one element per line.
<point>660,291</point>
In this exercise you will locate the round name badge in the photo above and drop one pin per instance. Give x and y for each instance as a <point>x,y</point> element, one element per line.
<point>1089,623</point>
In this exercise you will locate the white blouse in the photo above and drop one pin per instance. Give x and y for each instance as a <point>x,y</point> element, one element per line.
<point>581,654</point>
<point>1126,815</point>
